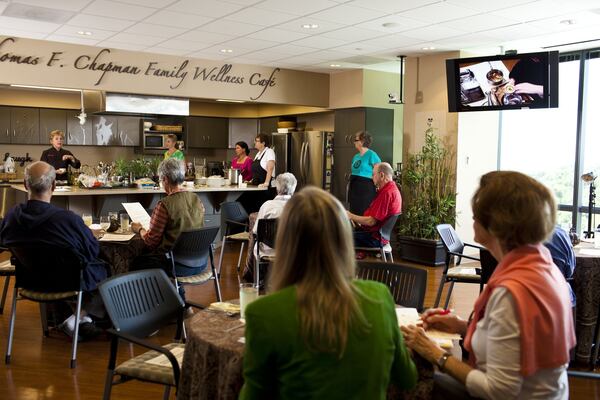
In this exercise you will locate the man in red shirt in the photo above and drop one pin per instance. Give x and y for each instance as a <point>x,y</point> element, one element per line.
<point>387,202</point>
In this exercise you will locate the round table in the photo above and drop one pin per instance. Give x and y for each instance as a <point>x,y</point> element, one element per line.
<point>119,255</point>
<point>213,361</point>
<point>586,285</point>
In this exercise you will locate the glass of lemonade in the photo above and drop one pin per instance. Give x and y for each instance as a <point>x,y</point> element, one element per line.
<point>124,223</point>
<point>87,219</point>
<point>248,293</point>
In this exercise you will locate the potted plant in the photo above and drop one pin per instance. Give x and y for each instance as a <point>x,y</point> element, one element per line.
<point>429,199</point>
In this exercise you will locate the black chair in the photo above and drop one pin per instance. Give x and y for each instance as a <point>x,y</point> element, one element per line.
<point>6,270</point>
<point>46,274</point>
<point>191,249</point>
<point>266,231</point>
<point>139,303</point>
<point>235,220</point>
<point>385,232</point>
<point>454,248</point>
<point>407,284</point>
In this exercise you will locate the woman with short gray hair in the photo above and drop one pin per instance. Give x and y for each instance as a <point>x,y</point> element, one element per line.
<point>285,184</point>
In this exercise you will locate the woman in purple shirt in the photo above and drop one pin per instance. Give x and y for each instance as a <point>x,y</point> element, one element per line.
<point>241,160</point>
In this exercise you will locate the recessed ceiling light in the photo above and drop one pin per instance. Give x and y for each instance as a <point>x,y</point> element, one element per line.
<point>567,22</point>
<point>390,25</point>
<point>310,26</point>
<point>226,51</point>
<point>85,33</point>
<point>334,65</point>
<point>429,48</point>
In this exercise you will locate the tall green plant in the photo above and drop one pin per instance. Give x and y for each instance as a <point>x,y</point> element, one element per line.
<point>428,189</point>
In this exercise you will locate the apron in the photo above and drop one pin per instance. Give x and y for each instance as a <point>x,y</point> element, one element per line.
<point>259,174</point>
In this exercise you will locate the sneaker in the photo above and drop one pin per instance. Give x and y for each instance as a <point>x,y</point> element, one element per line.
<point>361,255</point>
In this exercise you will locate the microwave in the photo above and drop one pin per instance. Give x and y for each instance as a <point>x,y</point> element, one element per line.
<point>155,141</point>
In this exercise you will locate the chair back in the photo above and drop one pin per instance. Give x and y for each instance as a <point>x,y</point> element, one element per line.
<point>266,231</point>
<point>388,227</point>
<point>193,247</point>
<point>234,211</point>
<point>407,284</point>
<point>450,238</point>
<point>47,268</point>
<point>488,264</point>
<point>140,302</point>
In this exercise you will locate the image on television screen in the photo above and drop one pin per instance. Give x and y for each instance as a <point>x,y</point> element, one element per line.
<point>506,82</point>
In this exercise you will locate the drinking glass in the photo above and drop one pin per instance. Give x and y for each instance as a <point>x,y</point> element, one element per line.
<point>87,219</point>
<point>124,223</point>
<point>248,293</point>
<point>105,222</point>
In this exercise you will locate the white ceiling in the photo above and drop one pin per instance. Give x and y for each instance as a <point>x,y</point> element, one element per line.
<point>270,32</point>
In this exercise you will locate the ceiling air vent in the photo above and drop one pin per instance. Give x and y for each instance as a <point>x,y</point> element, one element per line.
<point>42,14</point>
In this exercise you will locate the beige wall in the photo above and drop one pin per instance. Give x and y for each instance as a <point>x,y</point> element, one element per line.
<point>432,85</point>
<point>346,89</point>
<point>284,86</point>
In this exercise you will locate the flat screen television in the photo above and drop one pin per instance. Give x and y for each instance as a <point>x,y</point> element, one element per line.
<point>503,82</point>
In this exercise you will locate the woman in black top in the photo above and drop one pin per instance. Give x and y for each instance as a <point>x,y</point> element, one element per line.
<point>58,157</point>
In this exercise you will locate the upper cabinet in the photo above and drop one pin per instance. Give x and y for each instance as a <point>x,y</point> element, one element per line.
<point>51,120</point>
<point>129,131</point>
<point>5,132</point>
<point>78,134</point>
<point>242,130</point>
<point>208,132</point>
<point>25,125</point>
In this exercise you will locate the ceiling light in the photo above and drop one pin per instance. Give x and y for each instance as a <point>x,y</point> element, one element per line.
<point>567,22</point>
<point>429,48</point>
<point>45,88</point>
<point>334,65</point>
<point>226,51</point>
<point>230,101</point>
<point>85,33</point>
<point>390,25</point>
<point>310,26</point>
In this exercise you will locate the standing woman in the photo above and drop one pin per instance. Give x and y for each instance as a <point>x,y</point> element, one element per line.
<point>263,170</point>
<point>321,333</point>
<point>58,157</point>
<point>361,190</point>
<point>241,160</point>
<point>172,150</point>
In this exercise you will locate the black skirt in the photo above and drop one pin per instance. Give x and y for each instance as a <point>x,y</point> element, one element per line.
<point>361,193</point>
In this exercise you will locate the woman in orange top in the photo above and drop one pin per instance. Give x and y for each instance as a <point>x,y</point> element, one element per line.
<point>521,331</point>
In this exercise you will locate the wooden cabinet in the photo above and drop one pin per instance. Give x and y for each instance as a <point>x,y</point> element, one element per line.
<point>52,120</point>
<point>242,130</point>
<point>129,131</point>
<point>347,123</point>
<point>77,134</point>
<point>25,125</point>
<point>5,132</point>
<point>268,125</point>
<point>342,157</point>
<point>208,132</point>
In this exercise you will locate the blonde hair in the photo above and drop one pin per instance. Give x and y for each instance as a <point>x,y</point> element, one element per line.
<point>315,252</point>
<point>173,138</point>
<point>515,208</point>
<point>57,133</point>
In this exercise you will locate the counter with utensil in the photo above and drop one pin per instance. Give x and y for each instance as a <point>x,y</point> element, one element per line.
<point>99,201</point>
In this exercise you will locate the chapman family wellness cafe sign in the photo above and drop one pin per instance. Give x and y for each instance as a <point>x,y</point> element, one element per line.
<point>44,63</point>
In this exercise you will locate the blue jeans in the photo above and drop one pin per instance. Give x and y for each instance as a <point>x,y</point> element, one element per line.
<point>365,239</point>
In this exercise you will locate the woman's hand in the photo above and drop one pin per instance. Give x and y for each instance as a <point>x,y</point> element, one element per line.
<point>263,185</point>
<point>437,318</point>
<point>136,227</point>
<point>61,171</point>
<point>417,340</point>
<point>68,157</point>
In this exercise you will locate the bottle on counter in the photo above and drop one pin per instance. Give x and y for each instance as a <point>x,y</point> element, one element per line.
<point>240,180</point>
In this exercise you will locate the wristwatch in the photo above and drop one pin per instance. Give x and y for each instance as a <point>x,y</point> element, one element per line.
<point>441,362</point>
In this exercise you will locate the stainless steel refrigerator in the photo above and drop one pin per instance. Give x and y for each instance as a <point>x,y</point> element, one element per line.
<point>306,154</point>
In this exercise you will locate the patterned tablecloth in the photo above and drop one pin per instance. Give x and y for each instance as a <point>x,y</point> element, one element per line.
<point>586,285</point>
<point>119,255</point>
<point>213,361</point>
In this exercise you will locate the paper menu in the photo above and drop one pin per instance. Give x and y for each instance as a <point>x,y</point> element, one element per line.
<point>115,237</point>
<point>410,316</point>
<point>137,213</point>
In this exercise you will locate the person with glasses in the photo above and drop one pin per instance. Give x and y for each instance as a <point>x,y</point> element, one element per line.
<point>263,172</point>
<point>361,191</point>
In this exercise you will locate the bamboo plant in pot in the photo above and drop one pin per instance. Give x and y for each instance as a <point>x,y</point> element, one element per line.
<point>429,199</point>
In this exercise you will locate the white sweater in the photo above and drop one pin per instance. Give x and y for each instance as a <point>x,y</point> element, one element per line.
<point>496,344</point>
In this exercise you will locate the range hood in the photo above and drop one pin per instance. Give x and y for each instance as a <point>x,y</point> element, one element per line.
<point>96,102</point>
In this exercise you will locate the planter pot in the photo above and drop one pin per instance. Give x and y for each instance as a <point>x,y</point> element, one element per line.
<point>422,251</point>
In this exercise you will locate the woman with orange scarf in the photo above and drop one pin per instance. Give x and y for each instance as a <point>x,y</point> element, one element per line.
<point>521,329</point>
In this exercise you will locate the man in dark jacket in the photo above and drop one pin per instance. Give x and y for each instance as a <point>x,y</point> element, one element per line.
<point>563,255</point>
<point>39,222</point>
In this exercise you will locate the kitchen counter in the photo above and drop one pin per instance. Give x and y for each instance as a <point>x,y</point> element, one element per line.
<point>77,191</point>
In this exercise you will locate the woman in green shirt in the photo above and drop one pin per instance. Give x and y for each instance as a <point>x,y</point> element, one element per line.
<point>172,150</point>
<point>321,334</point>
<point>361,190</point>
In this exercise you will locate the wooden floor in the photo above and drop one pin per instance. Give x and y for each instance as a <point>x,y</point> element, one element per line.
<point>40,366</point>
